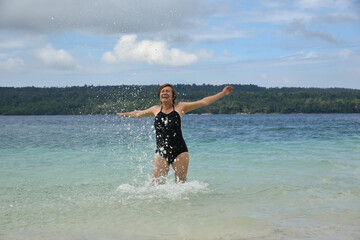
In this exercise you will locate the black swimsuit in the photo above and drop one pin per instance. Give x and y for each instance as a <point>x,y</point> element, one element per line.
<point>169,140</point>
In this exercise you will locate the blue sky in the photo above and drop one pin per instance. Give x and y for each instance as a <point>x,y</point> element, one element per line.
<point>299,43</point>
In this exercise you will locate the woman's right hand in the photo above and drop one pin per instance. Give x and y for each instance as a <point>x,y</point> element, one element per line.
<point>227,90</point>
<point>122,115</point>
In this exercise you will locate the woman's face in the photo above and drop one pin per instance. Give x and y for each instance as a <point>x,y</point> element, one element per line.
<point>166,95</point>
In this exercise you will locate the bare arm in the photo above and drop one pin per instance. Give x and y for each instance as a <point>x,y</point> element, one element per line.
<point>190,106</point>
<point>139,113</point>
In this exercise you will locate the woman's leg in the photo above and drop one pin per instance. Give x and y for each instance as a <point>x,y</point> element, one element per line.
<point>181,167</point>
<point>161,169</point>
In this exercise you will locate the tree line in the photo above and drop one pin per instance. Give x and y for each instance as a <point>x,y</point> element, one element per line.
<point>112,99</point>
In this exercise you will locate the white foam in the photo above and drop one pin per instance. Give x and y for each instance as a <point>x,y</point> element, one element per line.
<point>169,190</point>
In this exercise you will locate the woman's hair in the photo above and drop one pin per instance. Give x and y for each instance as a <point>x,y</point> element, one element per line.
<point>174,93</point>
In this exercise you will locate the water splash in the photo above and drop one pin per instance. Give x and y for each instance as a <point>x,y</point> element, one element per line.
<point>168,191</point>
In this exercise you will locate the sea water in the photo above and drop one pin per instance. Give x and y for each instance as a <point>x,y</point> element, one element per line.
<point>250,177</point>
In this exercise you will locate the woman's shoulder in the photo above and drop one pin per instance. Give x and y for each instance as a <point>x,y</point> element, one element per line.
<point>182,105</point>
<point>178,105</point>
<point>155,109</point>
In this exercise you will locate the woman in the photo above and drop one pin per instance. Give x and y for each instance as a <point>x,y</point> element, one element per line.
<point>171,148</point>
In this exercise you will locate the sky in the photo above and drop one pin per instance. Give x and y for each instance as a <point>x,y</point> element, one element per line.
<point>299,43</point>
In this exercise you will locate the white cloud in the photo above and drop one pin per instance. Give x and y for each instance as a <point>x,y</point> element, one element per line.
<point>312,57</point>
<point>152,52</point>
<point>319,4</point>
<point>275,16</point>
<point>331,11</point>
<point>12,41</point>
<point>345,54</point>
<point>274,3</point>
<point>58,59</point>
<point>307,11</point>
<point>311,3</point>
<point>98,16</point>
<point>12,44</point>
<point>204,54</point>
<point>12,65</point>
<point>218,35</point>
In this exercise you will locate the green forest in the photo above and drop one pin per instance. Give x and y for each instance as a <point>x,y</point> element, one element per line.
<point>245,99</point>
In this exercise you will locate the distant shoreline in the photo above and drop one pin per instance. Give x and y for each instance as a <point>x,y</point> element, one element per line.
<point>187,114</point>
<point>108,100</point>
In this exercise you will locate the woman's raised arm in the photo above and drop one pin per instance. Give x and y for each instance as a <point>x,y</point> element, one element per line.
<point>190,106</point>
<point>150,112</point>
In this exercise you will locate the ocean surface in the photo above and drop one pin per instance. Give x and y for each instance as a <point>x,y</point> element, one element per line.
<point>250,177</point>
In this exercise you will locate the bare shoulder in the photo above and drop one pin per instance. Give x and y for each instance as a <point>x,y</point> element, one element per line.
<point>154,109</point>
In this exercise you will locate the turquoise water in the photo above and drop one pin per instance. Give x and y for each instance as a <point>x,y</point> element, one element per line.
<point>250,177</point>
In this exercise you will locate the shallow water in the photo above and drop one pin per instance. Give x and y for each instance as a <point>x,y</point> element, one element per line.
<point>250,177</point>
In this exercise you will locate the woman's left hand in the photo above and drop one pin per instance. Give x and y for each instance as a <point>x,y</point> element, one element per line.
<point>227,90</point>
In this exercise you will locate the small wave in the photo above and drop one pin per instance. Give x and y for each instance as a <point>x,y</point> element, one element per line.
<point>279,129</point>
<point>169,190</point>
